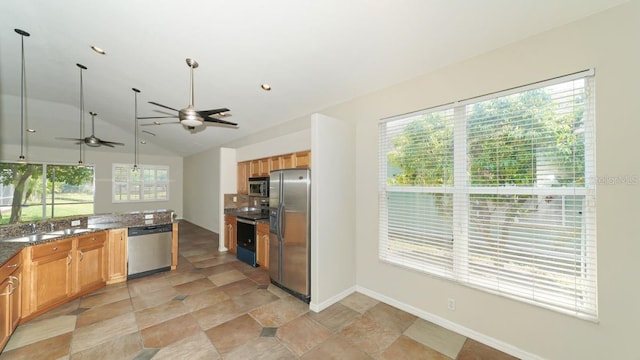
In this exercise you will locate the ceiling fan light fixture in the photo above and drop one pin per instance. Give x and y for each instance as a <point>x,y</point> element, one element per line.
<point>30,130</point>
<point>98,50</point>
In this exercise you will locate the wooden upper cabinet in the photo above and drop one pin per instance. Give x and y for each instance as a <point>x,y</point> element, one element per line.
<point>287,161</point>
<point>264,167</point>
<point>254,168</point>
<point>302,159</point>
<point>275,163</point>
<point>243,177</point>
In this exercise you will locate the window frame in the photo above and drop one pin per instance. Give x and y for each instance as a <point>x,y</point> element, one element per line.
<point>141,184</point>
<point>462,191</point>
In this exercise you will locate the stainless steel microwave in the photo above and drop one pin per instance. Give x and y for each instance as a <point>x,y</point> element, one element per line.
<point>259,186</point>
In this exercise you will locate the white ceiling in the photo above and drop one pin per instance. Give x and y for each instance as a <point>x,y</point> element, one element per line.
<point>313,53</point>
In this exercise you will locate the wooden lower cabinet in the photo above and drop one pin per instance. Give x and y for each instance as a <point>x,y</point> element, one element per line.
<point>231,233</point>
<point>10,297</point>
<point>262,245</point>
<point>90,265</point>
<point>117,255</point>
<point>51,274</point>
<point>59,271</point>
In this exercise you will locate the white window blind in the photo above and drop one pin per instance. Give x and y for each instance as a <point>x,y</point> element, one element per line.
<point>147,183</point>
<point>497,193</point>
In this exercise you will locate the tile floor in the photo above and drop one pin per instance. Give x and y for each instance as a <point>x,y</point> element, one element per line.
<point>215,307</point>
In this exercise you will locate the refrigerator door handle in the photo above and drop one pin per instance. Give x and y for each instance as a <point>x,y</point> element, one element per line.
<point>281,222</point>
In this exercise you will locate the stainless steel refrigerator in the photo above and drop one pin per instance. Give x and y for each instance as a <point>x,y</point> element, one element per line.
<point>290,232</point>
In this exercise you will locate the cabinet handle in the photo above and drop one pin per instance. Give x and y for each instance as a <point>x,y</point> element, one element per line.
<point>93,239</point>
<point>12,266</point>
<point>12,289</point>
<point>16,284</point>
<point>54,249</point>
<point>70,259</point>
<point>81,255</point>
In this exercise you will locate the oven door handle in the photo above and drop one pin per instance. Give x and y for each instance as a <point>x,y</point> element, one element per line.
<point>245,221</point>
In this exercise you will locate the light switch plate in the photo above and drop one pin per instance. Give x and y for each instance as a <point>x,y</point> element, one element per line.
<point>75,222</point>
<point>148,216</point>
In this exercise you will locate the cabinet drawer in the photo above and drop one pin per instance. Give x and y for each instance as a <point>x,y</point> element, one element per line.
<point>94,239</point>
<point>56,247</point>
<point>10,266</point>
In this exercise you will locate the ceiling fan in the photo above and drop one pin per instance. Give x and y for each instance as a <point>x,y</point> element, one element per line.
<point>189,116</point>
<point>92,140</point>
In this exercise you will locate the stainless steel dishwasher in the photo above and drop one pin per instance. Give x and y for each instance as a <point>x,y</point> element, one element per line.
<point>149,250</point>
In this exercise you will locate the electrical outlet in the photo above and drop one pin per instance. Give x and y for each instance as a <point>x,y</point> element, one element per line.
<point>235,199</point>
<point>451,304</point>
<point>75,222</point>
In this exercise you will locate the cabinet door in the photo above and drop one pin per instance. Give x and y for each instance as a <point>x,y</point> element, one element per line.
<point>90,262</point>
<point>275,163</point>
<point>262,246</point>
<point>287,161</point>
<point>6,287</point>
<point>230,237</point>
<point>254,168</point>
<point>303,159</point>
<point>264,167</point>
<point>117,256</point>
<point>243,177</point>
<point>51,269</point>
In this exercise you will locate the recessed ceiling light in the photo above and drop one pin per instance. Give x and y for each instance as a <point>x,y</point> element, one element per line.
<point>265,87</point>
<point>98,50</point>
<point>142,142</point>
<point>31,130</point>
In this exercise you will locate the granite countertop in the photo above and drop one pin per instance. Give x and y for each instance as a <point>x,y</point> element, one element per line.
<point>94,223</point>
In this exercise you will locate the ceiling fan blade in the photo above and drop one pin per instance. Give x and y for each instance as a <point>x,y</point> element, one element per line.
<point>110,143</point>
<point>164,106</point>
<point>219,121</point>
<point>105,144</point>
<point>159,123</point>
<point>72,139</point>
<point>158,117</point>
<point>207,113</point>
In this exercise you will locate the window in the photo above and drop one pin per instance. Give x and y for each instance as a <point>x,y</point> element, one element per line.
<point>148,183</point>
<point>39,191</point>
<point>497,193</point>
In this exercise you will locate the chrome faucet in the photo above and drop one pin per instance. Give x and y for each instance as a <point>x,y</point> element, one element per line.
<point>52,226</point>
<point>32,226</point>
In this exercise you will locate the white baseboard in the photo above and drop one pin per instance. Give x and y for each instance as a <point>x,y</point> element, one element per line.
<point>317,307</point>
<point>482,338</point>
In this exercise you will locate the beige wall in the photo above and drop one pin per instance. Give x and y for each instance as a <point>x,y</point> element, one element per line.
<point>202,189</point>
<point>607,42</point>
<point>103,160</point>
<point>333,249</point>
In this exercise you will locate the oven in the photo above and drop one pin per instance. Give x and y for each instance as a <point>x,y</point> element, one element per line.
<point>246,241</point>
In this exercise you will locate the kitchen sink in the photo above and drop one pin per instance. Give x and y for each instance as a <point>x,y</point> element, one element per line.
<point>70,231</point>
<point>45,236</point>
<point>30,238</point>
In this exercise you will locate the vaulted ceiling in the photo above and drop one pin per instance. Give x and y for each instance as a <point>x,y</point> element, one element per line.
<point>313,54</point>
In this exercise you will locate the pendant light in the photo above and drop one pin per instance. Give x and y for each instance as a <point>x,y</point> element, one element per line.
<point>81,160</point>
<point>21,158</point>
<point>135,138</point>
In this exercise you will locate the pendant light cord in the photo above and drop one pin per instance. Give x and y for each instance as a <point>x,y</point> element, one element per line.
<point>82,67</point>
<point>135,143</point>
<point>22,34</point>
